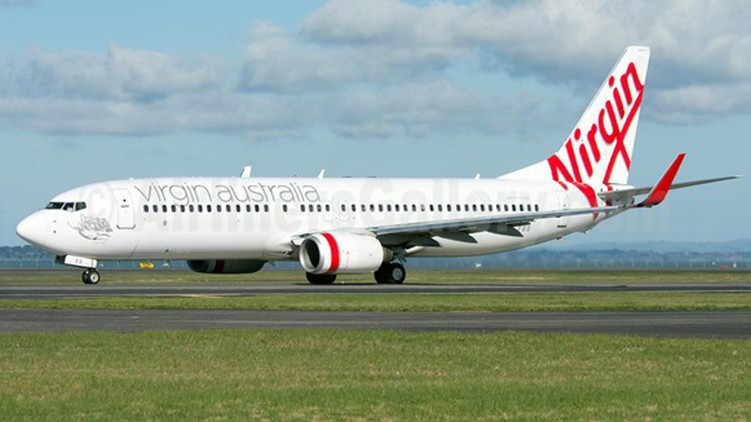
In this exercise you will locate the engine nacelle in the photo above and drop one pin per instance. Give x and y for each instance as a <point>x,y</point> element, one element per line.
<point>221,266</point>
<point>342,253</point>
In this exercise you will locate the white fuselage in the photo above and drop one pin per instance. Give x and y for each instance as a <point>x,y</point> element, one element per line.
<point>255,218</point>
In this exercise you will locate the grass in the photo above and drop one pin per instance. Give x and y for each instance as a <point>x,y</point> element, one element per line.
<point>374,375</point>
<point>507,301</point>
<point>481,302</point>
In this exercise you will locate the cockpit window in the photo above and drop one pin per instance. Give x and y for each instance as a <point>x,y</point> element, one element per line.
<point>67,206</point>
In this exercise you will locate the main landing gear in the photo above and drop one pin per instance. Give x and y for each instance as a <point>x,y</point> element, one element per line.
<point>320,278</point>
<point>90,276</point>
<point>390,273</point>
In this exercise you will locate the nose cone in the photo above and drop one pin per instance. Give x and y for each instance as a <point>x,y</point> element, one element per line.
<point>32,229</point>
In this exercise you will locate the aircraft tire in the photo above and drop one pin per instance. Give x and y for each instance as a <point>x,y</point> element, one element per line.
<point>90,276</point>
<point>391,273</point>
<point>320,278</point>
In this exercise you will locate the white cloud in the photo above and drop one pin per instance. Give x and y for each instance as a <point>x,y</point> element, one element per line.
<point>121,74</point>
<point>384,68</point>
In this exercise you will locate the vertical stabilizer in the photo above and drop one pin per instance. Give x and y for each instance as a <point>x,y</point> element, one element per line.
<point>598,149</point>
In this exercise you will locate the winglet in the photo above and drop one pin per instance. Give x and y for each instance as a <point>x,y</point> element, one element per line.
<point>660,190</point>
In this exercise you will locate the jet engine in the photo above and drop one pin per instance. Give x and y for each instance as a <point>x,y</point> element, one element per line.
<point>221,266</point>
<point>342,253</point>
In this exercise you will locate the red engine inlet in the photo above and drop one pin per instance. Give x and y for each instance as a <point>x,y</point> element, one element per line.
<point>342,253</point>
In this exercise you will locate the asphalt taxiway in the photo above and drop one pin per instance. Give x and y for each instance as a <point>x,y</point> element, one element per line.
<point>82,291</point>
<point>719,324</point>
<point>723,324</point>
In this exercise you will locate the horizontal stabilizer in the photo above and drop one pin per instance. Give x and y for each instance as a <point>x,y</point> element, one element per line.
<point>657,193</point>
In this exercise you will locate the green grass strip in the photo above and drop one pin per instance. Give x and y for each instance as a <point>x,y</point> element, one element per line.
<point>490,302</point>
<point>373,375</point>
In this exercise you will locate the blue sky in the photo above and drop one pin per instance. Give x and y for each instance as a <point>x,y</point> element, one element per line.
<point>93,91</point>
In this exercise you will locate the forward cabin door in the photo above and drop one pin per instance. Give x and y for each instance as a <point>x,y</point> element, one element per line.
<point>126,216</point>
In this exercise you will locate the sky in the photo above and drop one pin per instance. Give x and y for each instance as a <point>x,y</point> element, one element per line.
<point>93,91</point>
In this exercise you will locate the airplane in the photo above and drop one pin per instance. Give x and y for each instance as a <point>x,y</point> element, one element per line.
<point>338,226</point>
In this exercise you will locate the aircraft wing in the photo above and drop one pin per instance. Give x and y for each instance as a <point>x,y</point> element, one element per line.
<point>496,224</point>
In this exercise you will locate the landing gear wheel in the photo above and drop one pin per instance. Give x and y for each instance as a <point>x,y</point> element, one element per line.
<point>90,276</point>
<point>320,278</point>
<point>391,273</point>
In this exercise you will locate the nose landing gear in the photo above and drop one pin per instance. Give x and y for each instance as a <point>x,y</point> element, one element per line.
<point>90,276</point>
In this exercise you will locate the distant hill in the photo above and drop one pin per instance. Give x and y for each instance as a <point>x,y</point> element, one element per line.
<point>730,247</point>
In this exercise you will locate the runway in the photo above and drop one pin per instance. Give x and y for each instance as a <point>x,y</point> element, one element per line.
<point>726,324</point>
<point>83,291</point>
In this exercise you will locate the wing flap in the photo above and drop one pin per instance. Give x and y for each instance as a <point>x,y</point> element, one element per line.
<point>496,224</point>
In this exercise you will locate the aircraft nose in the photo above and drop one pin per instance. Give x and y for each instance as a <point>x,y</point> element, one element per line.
<point>31,229</point>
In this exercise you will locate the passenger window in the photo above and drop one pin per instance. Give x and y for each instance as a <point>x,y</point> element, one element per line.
<point>422,207</point>
<point>164,209</point>
<point>380,207</point>
<point>145,208</point>
<point>174,208</point>
<point>191,208</point>
<point>448,207</point>
<point>302,207</point>
<point>247,208</point>
<point>474,207</point>
<point>388,207</point>
<point>482,207</point>
<point>319,208</point>
<point>466,207</point>
<point>266,207</point>
<point>505,207</point>
<point>284,207</point>
<point>372,208</point>
<point>513,207</point>
<point>182,208</point>
<point>396,207</point>
<point>537,207</point>
<point>328,208</point>
<point>238,208</point>
<point>414,207</point>
<point>258,208</point>
<point>200,208</point>
<point>529,207</point>
<point>218,208</point>
<point>155,208</point>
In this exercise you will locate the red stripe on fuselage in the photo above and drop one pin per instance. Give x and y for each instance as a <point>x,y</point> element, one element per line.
<point>334,252</point>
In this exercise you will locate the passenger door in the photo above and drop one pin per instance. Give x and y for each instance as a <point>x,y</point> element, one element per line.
<point>126,218</point>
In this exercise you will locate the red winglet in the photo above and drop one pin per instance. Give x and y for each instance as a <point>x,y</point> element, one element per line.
<point>660,190</point>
